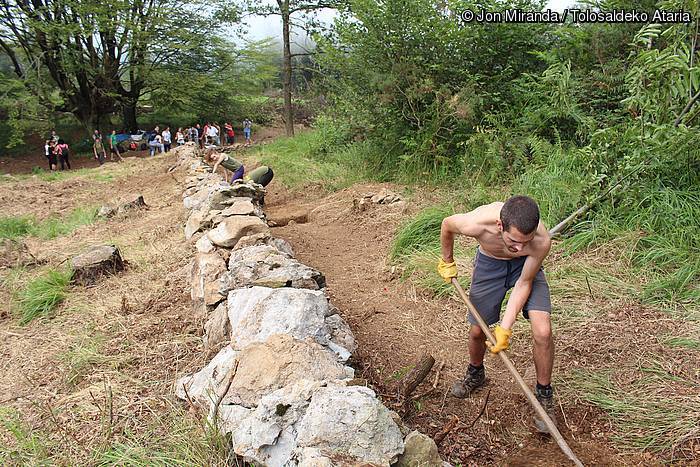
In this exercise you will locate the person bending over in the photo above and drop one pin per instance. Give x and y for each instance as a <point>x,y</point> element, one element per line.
<point>225,161</point>
<point>513,242</point>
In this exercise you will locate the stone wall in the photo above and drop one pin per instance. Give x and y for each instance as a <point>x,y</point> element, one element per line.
<point>279,384</point>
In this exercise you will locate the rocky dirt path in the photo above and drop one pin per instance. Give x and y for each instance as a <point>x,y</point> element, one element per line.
<point>394,324</point>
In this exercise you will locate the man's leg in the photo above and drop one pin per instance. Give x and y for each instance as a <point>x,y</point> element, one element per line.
<point>543,355</point>
<point>543,345</point>
<point>477,345</point>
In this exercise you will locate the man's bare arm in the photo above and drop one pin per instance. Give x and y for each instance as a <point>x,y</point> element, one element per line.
<point>463,224</point>
<point>523,286</point>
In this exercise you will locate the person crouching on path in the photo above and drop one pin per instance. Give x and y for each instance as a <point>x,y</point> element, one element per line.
<point>114,147</point>
<point>225,161</point>
<point>513,243</point>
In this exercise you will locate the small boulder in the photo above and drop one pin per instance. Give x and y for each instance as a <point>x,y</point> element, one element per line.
<point>419,451</point>
<point>266,266</point>
<point>204,274</point>
<point>265,239</point>
<point>98,261</point>
<point>203,386</point>
<point>217,329</point>
<point>232,229</point>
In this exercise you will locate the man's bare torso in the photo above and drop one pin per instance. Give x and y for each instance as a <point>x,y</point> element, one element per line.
<point>490,237</point>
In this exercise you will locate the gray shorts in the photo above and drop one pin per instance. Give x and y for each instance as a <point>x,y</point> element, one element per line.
<point>492,278</point>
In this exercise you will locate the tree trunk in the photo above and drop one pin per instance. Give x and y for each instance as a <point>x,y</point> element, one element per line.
<point>287,70</point>
<point>129,117</point>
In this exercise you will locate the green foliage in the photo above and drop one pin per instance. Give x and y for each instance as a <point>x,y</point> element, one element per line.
<point>307,160</point>
<point>24,447</point>
<point>41,295</point>
<point>15,227</point>
<point>645,417</point>
<point>52,227</point>
<point>420,233</point>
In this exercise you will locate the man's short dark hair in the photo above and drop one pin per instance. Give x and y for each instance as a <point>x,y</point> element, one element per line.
<point>522,213</point>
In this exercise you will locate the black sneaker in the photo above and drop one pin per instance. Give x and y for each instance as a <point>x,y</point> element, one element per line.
<point>475,378</point>
<point>546,399</point>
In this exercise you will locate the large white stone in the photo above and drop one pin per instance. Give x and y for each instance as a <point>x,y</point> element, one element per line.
<point>281,360</point>
<point>267,435</point>
<point>257,313</point>
<point>203,386</point>
<point>349,422</point>
<point>204,274</point>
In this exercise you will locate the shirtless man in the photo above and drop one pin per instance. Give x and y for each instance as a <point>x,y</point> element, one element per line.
<point>512,245</point>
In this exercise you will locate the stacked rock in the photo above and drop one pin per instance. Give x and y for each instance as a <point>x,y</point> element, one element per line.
<point>279,384</point>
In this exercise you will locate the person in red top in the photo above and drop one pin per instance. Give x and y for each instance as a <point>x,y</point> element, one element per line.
<point>229,133</point>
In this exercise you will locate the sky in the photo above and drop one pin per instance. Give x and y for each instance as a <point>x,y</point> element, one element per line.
<point>261,27</point>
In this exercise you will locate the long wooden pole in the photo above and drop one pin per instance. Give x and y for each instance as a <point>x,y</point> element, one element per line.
<point>523,386</point>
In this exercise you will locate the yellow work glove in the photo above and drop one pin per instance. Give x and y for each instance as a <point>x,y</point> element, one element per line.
<point>447,270</point>
<point>502,339</point>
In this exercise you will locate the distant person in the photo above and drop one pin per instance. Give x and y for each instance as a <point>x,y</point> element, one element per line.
<point>63,152</point>
<point>50,156</point>
<point>247,128</point>
<point>167,139</point>
<point>228,128</point>
<point>212,134</point>
<point>179,137</point>
<point>54,137</point>
<point>194,135</point>
<point>114,147</point>
<point>95,134</point>
<point>200,135</point>
<point>155,141</point>
<point>98,148</point>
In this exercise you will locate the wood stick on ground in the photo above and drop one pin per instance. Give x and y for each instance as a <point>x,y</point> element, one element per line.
<point>436,380</point>
<point>412,380</point>
<point>449,426</point>
<point>483,407</point>
<point>227,386</point>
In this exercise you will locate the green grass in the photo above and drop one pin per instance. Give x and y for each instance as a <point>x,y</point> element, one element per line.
<point>82,356</point>
<point>55,227</point>
<point>422,232</point>
<point>26,447</point>
<point>304,161</point>
<point>15,227</point>
<point>680,342</point>
<point>657,411</point>
<point>41,295</point>
<point>174,437</point>
<point>22,226</point>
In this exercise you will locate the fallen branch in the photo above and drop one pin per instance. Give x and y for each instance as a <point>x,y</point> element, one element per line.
<point>436,380</point>
<point>449,426</point>
<point>412,380</point>
<point>483,408</point>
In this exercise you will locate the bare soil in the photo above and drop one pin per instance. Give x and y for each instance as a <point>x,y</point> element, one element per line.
<point>394,323</point>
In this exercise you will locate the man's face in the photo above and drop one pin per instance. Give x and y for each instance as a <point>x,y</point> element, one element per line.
<point>514,239</point>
